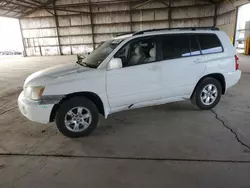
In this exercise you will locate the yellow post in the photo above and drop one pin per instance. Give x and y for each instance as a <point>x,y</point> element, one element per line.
<point>247,46</point>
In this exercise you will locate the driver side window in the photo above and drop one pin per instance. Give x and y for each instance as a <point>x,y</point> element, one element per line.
<point>138,52</point>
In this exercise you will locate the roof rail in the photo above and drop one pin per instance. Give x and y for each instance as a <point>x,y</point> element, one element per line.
<point>124,33</point>
<point>178,28</point>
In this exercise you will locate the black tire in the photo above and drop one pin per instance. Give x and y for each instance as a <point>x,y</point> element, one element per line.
<point>196,97</point>
<point>71,104</point>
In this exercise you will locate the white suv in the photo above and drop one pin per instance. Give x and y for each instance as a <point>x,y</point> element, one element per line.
<point>146,68</point>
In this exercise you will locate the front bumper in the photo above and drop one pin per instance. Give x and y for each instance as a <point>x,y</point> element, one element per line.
<point>33,110</point>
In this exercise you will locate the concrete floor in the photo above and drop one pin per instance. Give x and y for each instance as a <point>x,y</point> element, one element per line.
<point>172,145</point>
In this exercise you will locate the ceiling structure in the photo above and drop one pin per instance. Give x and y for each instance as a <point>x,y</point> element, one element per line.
<point>21,8</point>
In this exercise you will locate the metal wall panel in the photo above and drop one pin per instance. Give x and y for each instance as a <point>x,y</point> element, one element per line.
<point>226,18</point>
<point>75,30</point>
<point>78,49</point>
<point>37,33</point>
<point>71,40</point>
<point>117,28</point>
<point>50,50</point>
<point>156,25</point>
<point>108,8</point>
<point>66,50</point>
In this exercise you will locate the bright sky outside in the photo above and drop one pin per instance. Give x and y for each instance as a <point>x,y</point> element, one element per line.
<point>10,36</point>
<point>244,16</point>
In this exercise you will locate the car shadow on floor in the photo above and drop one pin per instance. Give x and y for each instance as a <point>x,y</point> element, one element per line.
<point>138,117</point>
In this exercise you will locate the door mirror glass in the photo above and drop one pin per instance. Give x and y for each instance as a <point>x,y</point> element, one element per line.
<point>115,63</point>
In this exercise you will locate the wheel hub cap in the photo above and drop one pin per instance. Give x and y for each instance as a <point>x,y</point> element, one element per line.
<point>209,94</point>
<point>77,119</point>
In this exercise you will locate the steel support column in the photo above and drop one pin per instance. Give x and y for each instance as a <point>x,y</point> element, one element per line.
<point>91,23</point>
<point>170,13</point>
<point>57,27</point>
<point>23,40</point>
<point>215,14</point>
<point>130,17</point>
<point>235,25</point>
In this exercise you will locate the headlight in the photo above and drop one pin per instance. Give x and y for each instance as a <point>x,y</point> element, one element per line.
<point>34,92</point>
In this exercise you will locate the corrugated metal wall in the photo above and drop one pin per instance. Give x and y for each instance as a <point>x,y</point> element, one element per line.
<point>226,18</point>
<point>81,26</point>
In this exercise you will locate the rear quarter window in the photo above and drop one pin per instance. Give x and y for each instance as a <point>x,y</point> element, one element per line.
<point>209,43</point>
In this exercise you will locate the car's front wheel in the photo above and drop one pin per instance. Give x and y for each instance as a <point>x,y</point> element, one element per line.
<point>77,117</point>
<point>207,93</point>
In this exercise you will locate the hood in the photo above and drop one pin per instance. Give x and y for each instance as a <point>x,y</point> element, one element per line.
<point>57,71</point>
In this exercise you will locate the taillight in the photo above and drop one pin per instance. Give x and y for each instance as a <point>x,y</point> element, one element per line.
<point>237,65</point>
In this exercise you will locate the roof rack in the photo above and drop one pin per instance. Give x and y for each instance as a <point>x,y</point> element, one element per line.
<point>178,28</point>
<point>124,33</point>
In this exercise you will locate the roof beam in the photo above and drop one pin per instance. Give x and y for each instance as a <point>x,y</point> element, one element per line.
<point>68,10</point>
<point>71,5</point>
<point>30,3</point>
<point>141,4</point>
<point>164,3</point>
<point>10,10</point>
<point>6,3</point>
<point>35,1</point>
<point>48,2</point>
<point>230,1</point>
<point>21,5</point>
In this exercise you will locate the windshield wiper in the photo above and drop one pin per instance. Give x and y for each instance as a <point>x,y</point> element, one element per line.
<point>85,64</point>
<point>90,66</point>
<point>81,63</point>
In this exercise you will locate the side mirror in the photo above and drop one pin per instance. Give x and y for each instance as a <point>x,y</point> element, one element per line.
<point>115,63</point>
<point>80,57</point>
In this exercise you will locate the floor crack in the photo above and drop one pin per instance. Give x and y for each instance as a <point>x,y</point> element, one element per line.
<point>123,158</point>
<point>8,110</point>
<point>230,129</point>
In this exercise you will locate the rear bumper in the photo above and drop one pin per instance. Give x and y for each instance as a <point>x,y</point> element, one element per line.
<point>33,110</point>
<point>232,78</point>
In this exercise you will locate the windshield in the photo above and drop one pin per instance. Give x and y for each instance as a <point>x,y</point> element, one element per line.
<point>94,59</point>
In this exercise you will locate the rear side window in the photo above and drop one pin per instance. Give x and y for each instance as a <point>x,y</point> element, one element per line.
<point>175,46</point>
<point>209,43</point>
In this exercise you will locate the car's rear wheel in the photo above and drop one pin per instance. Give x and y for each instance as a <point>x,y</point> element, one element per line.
<point>207,93</point>
<point>77,117</point>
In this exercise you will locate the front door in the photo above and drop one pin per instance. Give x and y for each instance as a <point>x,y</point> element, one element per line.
<point>139,81</point>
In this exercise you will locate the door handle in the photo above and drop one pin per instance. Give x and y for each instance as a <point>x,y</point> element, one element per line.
<point>199,60</point>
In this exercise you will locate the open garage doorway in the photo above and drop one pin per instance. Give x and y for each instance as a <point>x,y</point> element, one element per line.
<point>10,37</point>
<point>242,27</point>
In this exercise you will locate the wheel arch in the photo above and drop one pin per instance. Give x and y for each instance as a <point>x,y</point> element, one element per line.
<point>96,99</point>
<point>217,76</point>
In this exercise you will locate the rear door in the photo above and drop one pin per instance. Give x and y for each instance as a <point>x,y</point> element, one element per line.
<point>182,64</point>
<point>212,50</point>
